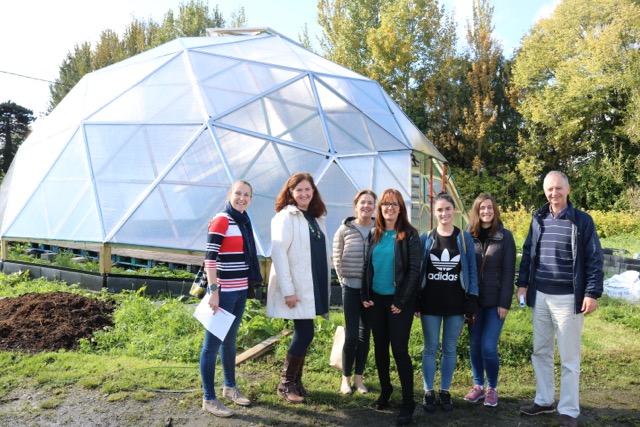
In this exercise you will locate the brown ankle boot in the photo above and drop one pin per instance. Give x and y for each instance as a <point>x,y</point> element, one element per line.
<point>287,385</point>
<point>299,386</point>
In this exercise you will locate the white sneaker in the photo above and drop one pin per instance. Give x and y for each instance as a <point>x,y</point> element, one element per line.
<point>216,408</point>
<point>232,393</point>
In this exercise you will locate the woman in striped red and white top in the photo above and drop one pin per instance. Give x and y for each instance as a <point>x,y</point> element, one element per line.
<point>231,265</point>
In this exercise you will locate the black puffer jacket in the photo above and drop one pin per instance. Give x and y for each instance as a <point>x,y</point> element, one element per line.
<point>406,268</point>
<point>496,263</point>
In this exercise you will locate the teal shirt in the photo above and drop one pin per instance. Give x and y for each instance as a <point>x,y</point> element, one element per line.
<point>383,259</point>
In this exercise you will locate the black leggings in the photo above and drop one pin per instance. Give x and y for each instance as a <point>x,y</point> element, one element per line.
<point>394,329</point>
<point>302,336</point>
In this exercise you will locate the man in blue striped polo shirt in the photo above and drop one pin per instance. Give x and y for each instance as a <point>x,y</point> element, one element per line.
<point>561,277</point>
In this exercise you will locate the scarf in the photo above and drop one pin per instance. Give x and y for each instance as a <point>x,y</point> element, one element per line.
<point>250,255</point>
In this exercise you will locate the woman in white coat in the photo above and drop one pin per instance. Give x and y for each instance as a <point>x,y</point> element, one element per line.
<point>300,276</point>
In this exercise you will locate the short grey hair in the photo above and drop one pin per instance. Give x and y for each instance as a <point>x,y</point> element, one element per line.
<point>558,173</point>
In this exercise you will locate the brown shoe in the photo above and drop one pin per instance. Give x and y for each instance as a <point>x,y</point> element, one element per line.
<point>287,386</point>
<point>536,409</point>
<point>302,391</point>
<point>568,421</point>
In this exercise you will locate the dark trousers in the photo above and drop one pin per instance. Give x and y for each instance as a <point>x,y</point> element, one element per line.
<point>394,329</point>
<point>356,332</point>
<point>303,332</point>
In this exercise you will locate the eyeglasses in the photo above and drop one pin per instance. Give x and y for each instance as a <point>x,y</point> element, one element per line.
<point>393,205</point>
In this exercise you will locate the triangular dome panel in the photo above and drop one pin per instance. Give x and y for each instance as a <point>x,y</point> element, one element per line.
<point>134,152</point>
<point>23,178</point>
<point>393,170</point>
<point>359,170</point>
<point>226,82</point>
<point>168,95</point>
<point>366,96</point>
<point>289,113</point>
<point>341,202</point>
<point>64,203</point>
<point>267,50</point>
<point>350,130</point>
<point>172,216</point>
<point>200,164</point>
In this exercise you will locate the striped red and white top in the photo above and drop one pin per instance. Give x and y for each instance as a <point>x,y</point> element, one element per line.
<point>225,254</point>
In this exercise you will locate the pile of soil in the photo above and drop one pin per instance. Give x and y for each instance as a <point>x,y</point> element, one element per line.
<point>50,321</point>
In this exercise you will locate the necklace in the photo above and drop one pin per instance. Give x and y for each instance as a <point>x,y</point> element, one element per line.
<point>315,232</point>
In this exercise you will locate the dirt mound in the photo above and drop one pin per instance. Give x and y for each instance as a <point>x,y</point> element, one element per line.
<point>50,321</point>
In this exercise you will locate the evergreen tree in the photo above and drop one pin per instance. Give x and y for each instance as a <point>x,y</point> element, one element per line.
<point>14,129</point>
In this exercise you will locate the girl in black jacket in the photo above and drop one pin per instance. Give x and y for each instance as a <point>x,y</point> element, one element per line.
<point>496,260</point>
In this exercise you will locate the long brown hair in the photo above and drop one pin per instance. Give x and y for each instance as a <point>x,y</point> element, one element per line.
<point>402,224</point>
<point>317,208</point>
<point>474,220</point>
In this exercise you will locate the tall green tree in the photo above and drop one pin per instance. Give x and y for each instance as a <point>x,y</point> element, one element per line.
<point>194,18</point>
<point>408,47</point>
<point>577,77</point>
<point>108,50</point>
<point>14,129</point>
<point>485,58</point>
<point>73,67</point>
<point>345,24</point>
<point>486,155</point>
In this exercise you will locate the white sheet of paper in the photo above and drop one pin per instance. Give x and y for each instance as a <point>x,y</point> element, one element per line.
<point>218,324</point>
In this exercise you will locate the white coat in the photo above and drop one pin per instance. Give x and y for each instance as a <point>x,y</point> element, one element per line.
<point>291,265</point>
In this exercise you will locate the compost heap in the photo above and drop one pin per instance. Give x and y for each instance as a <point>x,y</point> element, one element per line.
<point>50,321</point>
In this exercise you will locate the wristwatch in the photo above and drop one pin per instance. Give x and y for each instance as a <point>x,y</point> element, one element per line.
<point>213,287</point>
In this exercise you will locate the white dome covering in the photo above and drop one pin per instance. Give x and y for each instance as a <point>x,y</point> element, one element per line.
<point>143,152</point>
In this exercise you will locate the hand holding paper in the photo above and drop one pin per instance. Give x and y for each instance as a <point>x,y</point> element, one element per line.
<point>219,323</point>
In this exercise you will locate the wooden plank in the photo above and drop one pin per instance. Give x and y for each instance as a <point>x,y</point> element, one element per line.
<point>262,348</point>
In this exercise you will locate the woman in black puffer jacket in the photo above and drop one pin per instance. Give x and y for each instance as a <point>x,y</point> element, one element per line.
<point>495,259</point>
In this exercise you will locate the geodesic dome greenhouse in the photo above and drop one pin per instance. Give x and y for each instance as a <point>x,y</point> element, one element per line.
<point>142,153</point>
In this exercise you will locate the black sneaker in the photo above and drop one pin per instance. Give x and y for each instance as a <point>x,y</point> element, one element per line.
<point>429,401</point>
<point>445,401</point>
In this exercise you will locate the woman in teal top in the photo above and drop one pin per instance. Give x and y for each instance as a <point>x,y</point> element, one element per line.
<point>389,291</point>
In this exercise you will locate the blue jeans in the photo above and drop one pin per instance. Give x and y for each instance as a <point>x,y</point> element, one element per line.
<point>234,303</point>
<point>356,332</point>
<point>484,335</point>
<point>451,327</point>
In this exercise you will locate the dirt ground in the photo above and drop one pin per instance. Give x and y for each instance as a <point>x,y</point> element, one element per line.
<point>50,321</point>
<point>25,325</point>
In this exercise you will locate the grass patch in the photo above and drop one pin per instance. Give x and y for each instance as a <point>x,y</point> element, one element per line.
<point>51,403</point>
<point>117,397</point>
<point>155,344</point>
<point>625,241</point>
